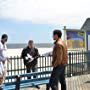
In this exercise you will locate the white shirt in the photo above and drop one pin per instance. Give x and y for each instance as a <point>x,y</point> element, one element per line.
<point>3,56</point>
<point>3,51</point>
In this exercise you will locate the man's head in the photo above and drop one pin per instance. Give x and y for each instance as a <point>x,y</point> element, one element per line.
<point>4,38</point>
<point>57,34</point>
<point>30,44</point>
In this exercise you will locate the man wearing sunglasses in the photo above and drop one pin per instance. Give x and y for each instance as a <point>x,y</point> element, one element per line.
<point>3,58</point>
<point>59,62</point>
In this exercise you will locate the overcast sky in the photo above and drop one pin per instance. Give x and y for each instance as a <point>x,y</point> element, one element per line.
<point>40,17</point>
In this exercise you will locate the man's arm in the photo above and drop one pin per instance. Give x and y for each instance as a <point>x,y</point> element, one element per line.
<point>36,54</point>
<point>3,56</point>
<point>3,59</point>
<point>23,54</point>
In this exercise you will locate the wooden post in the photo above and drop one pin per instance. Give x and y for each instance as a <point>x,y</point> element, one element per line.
<point>47,87</point>
<point>17,82</point>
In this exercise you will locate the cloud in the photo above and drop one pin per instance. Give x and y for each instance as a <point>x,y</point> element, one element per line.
<point>46,11</point>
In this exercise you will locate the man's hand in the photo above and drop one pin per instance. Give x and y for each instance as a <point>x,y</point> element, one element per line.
<point>31,59</point>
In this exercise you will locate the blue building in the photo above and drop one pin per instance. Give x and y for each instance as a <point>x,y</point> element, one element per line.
<point>86,28</point>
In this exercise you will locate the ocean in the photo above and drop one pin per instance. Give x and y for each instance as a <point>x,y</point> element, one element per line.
<point>17,52</point>
<point>15,49</point>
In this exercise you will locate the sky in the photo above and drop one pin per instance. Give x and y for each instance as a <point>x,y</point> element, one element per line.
<point>36,19</point>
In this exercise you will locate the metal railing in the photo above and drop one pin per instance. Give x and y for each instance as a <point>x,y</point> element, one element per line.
<point>78,63</point>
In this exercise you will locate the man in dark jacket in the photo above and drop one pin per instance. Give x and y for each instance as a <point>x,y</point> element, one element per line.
<point>30,55</point>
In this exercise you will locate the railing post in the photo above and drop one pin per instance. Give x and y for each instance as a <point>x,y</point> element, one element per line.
<point>88,61</point>
<point>47,87</point>
<point>17,82</point>
<point>70,64</point>
<point>82,62</point>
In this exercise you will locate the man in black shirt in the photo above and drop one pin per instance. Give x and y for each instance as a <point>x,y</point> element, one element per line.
<point>30,55</point>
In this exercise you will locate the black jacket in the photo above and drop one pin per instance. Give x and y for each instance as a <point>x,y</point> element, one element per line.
<point>33,52</point>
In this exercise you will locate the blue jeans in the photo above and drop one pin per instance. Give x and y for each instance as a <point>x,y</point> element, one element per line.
<point>58,74</point>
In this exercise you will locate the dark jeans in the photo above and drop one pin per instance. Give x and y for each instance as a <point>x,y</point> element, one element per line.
<point>58,74</point>
<point>31,69</point>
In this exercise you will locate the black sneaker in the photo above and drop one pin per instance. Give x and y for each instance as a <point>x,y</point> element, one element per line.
<point>37,87</point>
<point>1,88</point>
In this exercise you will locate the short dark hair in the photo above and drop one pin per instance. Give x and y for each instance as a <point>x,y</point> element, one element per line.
<point>30,41</point>
<point>4,36</point>
<point>58,32</point>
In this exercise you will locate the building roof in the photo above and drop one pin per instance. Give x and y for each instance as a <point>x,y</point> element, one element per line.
<point>86,25</point>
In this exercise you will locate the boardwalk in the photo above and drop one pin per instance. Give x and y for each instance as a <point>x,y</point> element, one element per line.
<point>81,82</point>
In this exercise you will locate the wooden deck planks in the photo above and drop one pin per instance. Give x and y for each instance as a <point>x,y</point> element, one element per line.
<point>81,82</point>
